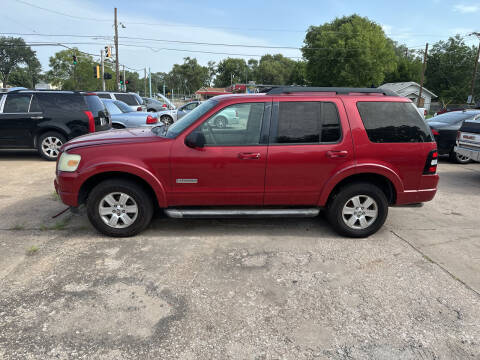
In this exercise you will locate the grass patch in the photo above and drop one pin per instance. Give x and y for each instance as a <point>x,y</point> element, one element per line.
<point>55,196</point>
<point>18,227</point>
<point>59,225</point>
<point>32,250</point>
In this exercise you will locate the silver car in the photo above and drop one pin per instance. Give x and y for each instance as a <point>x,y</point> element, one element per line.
<point>134,101</point>
<point>124,117</point>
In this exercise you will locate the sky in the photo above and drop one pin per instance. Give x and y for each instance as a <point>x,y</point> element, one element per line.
<point>265,26</point>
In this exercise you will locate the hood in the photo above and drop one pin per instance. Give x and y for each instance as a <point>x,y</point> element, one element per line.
<point>167,101</point>
<point>120,136</point>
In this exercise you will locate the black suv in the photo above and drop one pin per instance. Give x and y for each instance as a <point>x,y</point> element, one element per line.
<point>44,120</point>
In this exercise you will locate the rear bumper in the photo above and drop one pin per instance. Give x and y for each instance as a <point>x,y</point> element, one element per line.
<point>427,191</point>
<point>472,154</point>
<point>65,187</point>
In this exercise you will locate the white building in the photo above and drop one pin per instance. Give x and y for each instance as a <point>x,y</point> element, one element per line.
<point>410,90</point>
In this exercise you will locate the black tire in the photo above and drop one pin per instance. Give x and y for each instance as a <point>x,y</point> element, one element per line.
<point>137,193</point>
<point>220,122</point>
<point>118,126</point>
<point>167,120</point>
<point>341,199</point>
<point>458,159</point>
<point>50,153</point>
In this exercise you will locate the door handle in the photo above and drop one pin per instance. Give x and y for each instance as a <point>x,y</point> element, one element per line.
<point>334,154</point>
<point>249,156</point>
<point>36,117</point>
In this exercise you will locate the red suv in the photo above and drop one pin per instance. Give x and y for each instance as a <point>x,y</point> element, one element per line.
<point>292,152</point>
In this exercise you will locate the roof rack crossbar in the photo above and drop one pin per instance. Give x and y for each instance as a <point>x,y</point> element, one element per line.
<point>338,90</point>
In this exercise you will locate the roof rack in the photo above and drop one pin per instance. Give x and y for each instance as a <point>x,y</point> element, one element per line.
<point>275,90</point>
<point>45,90</point>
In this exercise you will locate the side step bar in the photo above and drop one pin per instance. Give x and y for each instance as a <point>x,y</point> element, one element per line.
<point>238,213</point>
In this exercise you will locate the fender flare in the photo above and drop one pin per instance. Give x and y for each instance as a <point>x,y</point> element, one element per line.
<point>137,171</point>
<point>358,169</point>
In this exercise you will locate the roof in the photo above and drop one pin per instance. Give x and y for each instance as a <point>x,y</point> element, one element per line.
<point>212,91</point>
<point>401,87</point>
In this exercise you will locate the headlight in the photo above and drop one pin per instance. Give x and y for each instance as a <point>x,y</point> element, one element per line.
<point>68,162</point>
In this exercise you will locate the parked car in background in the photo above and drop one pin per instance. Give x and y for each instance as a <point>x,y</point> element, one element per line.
<point>445,128</point>
<point>154,105</point>
<point>446,110</point>
<point>124,117</point>
<point>45,120</point>
<point>185,109</point>
<point>468,138</point>
<point>297,150</point>
<point>169,116</point>
<point>131,99</point>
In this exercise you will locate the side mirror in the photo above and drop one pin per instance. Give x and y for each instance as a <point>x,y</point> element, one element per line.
<point>195,139</point>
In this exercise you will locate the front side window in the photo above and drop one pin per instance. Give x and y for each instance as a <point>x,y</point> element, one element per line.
<point>307,122</point>
<point>393,122</point>
<point>179,126</point>
<point>17,103</point>
<point>238,124</point>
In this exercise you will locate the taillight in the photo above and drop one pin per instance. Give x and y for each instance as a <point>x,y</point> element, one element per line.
<point>435,132</point>
<point>91,121</point>
<point>139,108</point>
<point>151,120</point>
<point>431,163</point>
<point>425,112</point>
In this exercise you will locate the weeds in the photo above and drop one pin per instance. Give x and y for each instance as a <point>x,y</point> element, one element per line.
<point>32,250</point>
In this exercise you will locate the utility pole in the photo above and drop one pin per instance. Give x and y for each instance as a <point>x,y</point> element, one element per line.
<point>117,68</point>
<point>124,80</point>
<point>475,67</point>
<point>103,70</point>
<point>150,81</point>
<point>145,81</point>
<point>423,76</point>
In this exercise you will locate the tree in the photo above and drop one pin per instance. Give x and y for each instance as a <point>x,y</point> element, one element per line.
<point>230,70</point>
<point>80,76</point>
<point>409,65</point>
<point>14,52</point>
<point>349,51</point>
<point>278,70</point>
<point>449,70</point>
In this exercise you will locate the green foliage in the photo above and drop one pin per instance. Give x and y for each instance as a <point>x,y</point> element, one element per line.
<point>449,70</point>
<point>14,52</point>
<point>188,77</point>
<point>69,76</point>
<point>278,70</point>
<point>409,65</point>
<point>231,70</point>
<point>349,51</point>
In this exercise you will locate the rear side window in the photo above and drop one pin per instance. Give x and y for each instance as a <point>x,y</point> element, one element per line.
<point>61,102</point>
<point>94,104</point>
<point>307,122</point>
<point>127,99</point>
<point>393,122</point>
<point>104,96</point>
<point>17,103</point>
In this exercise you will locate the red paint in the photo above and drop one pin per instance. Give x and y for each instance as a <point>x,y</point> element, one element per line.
<point>91,121</point>
<point>253,175</point>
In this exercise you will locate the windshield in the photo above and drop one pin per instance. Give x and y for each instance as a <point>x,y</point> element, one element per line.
<point>122,106</point>
<point>177,128</point>
<point>453,117</point>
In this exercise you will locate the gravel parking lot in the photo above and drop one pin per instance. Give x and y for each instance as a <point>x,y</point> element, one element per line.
<point>237,289</point>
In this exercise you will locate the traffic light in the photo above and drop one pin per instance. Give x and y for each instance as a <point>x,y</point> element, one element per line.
<point>107,76</point>
<point>74,59</point>
<point>108,51</point>
<point>127,82</point>
<point>121,80</point>
<point>96,72</point>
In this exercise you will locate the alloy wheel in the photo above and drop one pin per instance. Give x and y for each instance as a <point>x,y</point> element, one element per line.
<point>359,212</point>
<point>118,210</point>
<point>51,146</point>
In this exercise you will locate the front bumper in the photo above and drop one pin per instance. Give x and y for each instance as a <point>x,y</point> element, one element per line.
<point>472,154</point>
<point>65,187</point>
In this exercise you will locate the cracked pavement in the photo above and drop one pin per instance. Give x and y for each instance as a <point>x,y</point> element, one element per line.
<point>237,288</point>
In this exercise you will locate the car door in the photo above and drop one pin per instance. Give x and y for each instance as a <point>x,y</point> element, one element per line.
<point>230,168</point>
<point>16,122</point>
<point>308,144</point>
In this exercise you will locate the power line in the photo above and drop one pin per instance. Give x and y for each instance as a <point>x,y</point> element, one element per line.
<point>60,13</point>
